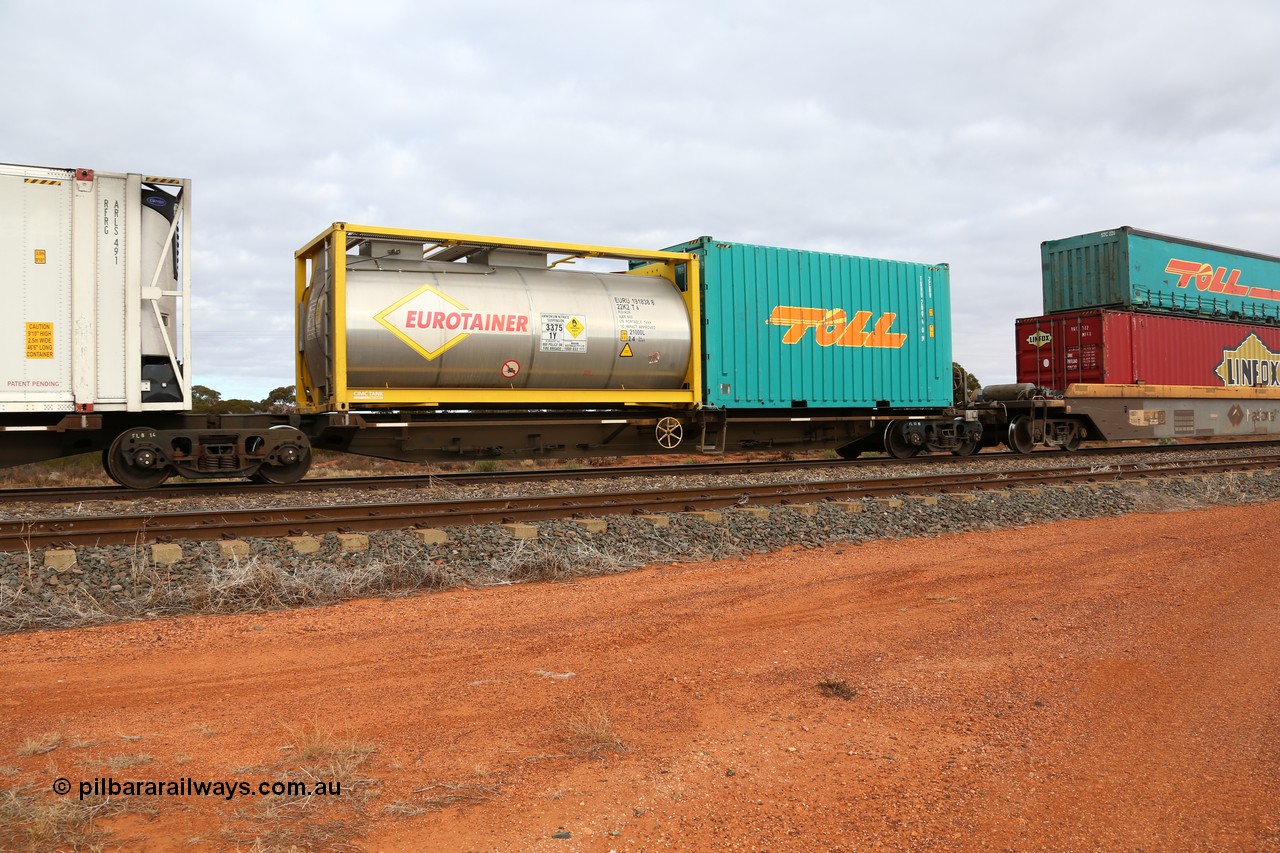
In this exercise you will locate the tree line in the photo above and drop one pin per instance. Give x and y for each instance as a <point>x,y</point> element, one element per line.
<point>279,401</point>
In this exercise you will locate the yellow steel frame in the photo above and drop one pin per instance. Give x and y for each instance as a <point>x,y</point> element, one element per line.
<point>1175,392</point>
<point>343,398</point>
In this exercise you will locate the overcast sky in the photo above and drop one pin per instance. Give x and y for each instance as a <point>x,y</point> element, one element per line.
<point>958,132</point>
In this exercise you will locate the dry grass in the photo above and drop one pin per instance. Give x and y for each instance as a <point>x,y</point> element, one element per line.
<point>29,823</point>
<point>321,754</point>
<point>309,822</point>
<point>203,729</point>
<point>403,809</point>
<point>442,796</point>
<point>84,469</point>
<point>47,742</point>
<point>589,732</point>
<point>1224,488</point>
<point>304,835</point>
<point>232,586</point>
<point>531,560</point>
<point>837,688</point>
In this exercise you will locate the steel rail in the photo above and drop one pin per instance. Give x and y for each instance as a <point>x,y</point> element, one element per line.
<point>318,520</point>
<point>216,488</point>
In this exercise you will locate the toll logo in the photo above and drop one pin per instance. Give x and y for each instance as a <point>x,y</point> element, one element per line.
<point>833,327</point>
<point>1250,365</point>
<point>1216,280</point>
<point>431,322</point>
<point>1039,338</point>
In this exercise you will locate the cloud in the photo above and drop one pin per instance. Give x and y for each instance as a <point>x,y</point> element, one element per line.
<point>933,131</point>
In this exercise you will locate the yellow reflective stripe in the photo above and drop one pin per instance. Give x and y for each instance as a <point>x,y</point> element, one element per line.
<point>42,181</point>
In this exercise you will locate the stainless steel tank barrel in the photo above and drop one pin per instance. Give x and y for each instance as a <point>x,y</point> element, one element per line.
<point>500,321</point>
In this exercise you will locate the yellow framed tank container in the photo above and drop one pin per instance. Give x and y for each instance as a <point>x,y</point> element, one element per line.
<point>389,318</point>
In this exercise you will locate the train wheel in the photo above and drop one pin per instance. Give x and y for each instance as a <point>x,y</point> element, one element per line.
<point>106,465</point>
<point>1020,439</point>
<point>895,443</point>
<point>283,475</point>
<point>144,471</point>
<point>294,459</point>
<point>967,448</point>
<point>669,433</point>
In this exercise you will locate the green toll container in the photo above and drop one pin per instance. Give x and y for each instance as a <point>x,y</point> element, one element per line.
<point>1141,271</point>
<point>792,329</point>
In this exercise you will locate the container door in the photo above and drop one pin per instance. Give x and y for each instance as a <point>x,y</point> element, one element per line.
<point>35,259</point>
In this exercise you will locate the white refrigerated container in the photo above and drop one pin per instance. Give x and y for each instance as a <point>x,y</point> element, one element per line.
<point>94,291</point>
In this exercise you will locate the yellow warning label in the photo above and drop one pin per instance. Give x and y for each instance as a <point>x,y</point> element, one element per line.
<point>626,351</point>
<point>39,256</point>
<point>574,326</point>
<point>622,336</point>
<point>39,340</point>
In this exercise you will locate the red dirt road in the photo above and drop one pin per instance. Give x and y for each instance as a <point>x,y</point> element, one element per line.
<point>1121,694</point>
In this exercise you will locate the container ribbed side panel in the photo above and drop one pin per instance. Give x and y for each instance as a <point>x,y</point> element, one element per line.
<point>785,328</point>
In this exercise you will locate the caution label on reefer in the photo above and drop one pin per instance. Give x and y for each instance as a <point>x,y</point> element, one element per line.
<point>39,340</point>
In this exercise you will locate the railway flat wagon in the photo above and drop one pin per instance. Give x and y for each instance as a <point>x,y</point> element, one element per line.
<point>1137,270</point>
<point>1130,348</point>
<point>431,345</point>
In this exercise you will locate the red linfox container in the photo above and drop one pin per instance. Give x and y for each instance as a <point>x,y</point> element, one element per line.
<point>1127,348</point>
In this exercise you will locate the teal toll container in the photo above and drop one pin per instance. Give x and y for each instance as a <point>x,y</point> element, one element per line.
<point>786,329</point>
<point>1140,271</point>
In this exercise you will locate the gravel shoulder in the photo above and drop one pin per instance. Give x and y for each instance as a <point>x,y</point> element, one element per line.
<point>1081,685</point>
